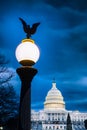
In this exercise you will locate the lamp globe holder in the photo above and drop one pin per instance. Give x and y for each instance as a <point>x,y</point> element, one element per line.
<point>27,52</point>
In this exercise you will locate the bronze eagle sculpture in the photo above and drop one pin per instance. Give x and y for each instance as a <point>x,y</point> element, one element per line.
<point>29,30</point>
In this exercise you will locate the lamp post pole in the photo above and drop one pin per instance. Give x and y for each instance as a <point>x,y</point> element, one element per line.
<point>26,75</point>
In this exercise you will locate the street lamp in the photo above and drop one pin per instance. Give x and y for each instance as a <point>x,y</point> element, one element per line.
<point>27,54</point>
<point>1,128</point>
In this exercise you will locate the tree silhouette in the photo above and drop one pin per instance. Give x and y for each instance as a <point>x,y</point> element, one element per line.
<point>12,124</point>
<point>69,124</point>
<point>5,73</point>
<point>8,97</point>
<point>8,103</point>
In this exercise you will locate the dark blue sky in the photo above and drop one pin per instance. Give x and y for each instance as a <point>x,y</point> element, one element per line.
<point>62,39</point>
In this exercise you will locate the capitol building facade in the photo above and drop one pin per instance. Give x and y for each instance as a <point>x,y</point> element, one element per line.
<point>54,114</point>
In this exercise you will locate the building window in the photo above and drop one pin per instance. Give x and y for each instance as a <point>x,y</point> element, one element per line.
<point>62,119</point>
<point>57,128</point>
<point>52,118</point>
<point>46,127</point>
<point>64,127</point>
<point>48,118</point>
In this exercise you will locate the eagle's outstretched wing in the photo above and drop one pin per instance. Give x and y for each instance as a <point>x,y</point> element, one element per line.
<point>34,27</point>
<point>25,26</point>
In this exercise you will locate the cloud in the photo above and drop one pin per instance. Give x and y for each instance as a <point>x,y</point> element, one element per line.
<point>82,81</point>
<point>74,4</point>
<point>81,106</point>
<point>37,105</point>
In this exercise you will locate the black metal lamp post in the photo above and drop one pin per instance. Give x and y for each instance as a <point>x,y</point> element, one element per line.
<point>27,54</point>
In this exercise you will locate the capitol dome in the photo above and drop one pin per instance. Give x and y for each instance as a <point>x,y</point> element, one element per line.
<point>54,99</point>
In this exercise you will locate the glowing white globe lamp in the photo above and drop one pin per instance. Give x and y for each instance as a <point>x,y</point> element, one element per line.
<point>1,128</point>
<point>27,52</point>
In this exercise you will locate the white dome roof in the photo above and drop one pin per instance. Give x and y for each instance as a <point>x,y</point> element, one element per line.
<point>54,99</point>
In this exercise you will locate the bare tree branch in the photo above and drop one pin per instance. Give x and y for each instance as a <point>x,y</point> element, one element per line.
<point>5,74</point>
<point>3,60</point>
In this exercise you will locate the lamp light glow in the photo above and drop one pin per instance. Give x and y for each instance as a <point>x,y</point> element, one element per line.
<point>27,52</point>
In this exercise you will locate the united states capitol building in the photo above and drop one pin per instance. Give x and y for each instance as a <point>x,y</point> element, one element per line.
<point>54,114</point>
